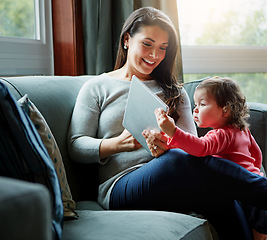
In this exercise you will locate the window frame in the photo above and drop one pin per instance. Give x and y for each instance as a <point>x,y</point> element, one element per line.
<point>224,59</point>
<point>19,56</point>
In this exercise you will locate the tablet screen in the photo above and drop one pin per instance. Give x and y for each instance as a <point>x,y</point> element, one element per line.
<point>139,112</point>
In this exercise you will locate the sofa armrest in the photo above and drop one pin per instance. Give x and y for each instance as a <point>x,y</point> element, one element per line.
<point>25,210</point>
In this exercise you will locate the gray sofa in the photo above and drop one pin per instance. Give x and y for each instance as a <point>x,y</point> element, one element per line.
<point>25,208</point>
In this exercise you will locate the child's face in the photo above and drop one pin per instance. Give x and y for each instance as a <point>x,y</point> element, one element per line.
<point>207,113</point>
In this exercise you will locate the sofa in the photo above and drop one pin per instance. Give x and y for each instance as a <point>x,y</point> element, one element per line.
<point>25,208</point>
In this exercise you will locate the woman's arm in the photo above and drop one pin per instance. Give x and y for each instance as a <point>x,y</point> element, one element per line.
<point>83,145</point>
<point>94,133</point>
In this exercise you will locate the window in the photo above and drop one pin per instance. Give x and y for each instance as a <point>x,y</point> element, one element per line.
<point>18,19</point>
<point>226,38</point>
<point>25,37</point>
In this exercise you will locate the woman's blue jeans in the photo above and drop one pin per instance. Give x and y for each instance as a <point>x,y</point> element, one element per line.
<point>179,182</point>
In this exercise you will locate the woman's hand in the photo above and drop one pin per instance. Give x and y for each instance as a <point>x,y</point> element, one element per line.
<point>156,141</point>
<point>125,142</point>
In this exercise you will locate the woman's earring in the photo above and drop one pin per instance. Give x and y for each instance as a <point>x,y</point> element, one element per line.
<point>125,47</point>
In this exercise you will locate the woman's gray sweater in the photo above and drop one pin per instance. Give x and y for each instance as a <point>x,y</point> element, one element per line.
<point>98,115</point>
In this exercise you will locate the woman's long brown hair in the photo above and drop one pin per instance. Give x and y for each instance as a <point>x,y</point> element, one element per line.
<point>164,72</point>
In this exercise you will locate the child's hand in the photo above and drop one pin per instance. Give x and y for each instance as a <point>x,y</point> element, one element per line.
<point>166,123</point>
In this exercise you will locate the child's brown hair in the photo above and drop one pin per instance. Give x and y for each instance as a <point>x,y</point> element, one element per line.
<point>228,96</point>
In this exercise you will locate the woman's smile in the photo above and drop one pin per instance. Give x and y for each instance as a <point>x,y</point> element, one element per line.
<point>149,63</point>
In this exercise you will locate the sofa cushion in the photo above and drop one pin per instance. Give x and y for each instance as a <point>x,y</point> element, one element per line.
<point>141,225</point>
<point>53,151</point>
<point>89,205</point>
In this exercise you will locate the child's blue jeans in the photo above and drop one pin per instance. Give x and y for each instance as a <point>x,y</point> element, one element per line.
<point>179,182</point>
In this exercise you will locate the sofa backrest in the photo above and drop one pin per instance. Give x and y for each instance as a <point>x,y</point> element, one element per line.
<point>55,97</point>
<point>257,120</point>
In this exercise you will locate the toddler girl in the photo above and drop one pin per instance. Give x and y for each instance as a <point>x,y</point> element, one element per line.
<point>219,104</point>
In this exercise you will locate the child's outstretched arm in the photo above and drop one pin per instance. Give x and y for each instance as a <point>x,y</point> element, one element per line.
<point>165,122</point>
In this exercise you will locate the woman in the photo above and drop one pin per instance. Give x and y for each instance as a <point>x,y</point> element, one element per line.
<point>147,49</point>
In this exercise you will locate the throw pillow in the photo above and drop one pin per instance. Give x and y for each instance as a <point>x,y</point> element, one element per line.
<point>23,155</point>
<point>53,151</point>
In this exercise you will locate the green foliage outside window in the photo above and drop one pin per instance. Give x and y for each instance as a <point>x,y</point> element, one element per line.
<point>17,18</point>
<point>252,31</point>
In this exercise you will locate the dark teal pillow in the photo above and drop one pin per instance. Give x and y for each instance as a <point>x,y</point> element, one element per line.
<point>23,155</point>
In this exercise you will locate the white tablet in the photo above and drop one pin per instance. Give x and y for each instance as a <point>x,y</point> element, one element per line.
<point>139,112</point>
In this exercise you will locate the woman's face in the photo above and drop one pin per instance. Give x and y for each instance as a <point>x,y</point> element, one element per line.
<point>146,49</point>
